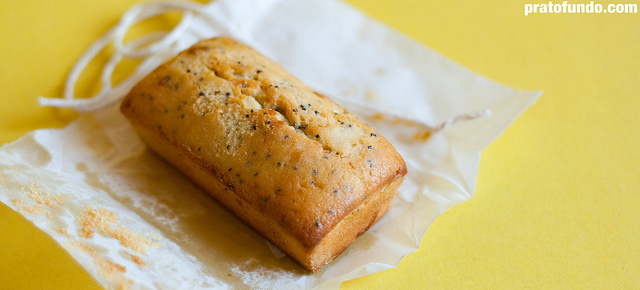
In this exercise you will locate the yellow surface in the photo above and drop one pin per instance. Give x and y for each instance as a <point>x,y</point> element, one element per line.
<point>557,202</point>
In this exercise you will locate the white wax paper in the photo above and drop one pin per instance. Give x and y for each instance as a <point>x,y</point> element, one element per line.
<point>186,240</point>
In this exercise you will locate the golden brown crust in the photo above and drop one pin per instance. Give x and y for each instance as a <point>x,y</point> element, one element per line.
<point>295,158</point>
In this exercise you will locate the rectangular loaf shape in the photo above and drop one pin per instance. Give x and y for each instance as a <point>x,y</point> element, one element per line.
<point>289,162</point>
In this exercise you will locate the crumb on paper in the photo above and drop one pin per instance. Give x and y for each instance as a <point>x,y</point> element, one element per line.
<point>106,268</point>
<point>398,121</point>
<point>106,222</point>
<point>18,202</point>
<point>422,136</point>
<point>62,232</point>
<point>93,219</point>
<point>378,116</point>
<point>39,195</point>
<point>395,121</point>
<point>32,209</point>
<point>27,209</point>
<point>136,259</point>
<point>1,178</point>
<point>373,95</point>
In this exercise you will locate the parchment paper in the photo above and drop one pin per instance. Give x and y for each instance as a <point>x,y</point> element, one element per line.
<point>133,221</point>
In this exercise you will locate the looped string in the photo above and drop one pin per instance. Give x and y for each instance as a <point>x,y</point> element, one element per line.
<point>161,43</point>
<point>144,47</point>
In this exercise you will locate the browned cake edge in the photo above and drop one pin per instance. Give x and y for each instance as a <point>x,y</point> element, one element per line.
<point>334,243</point>
<point>352,226</point>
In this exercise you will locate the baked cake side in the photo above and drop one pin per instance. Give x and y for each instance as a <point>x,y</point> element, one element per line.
<point>291,163</point>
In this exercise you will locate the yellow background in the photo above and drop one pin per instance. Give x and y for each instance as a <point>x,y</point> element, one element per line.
<point>557,203</point>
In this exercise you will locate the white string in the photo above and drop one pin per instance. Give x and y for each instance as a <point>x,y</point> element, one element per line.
<point>153,44</point>
<point>161,42</point>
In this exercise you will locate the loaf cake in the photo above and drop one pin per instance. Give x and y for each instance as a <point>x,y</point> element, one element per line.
<point>289,162</point>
